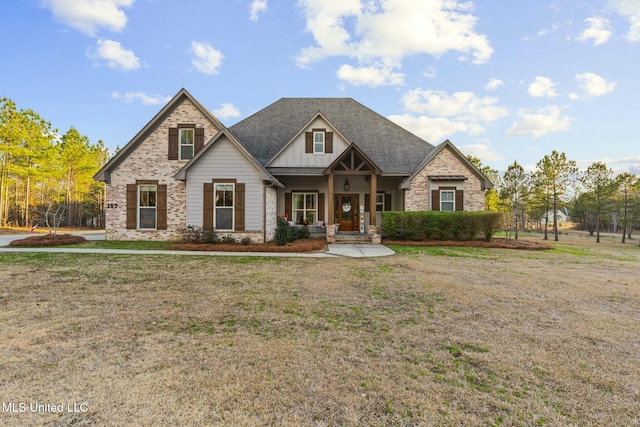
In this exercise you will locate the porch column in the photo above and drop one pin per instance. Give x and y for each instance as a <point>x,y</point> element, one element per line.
<point>330,217</point>
<point>372,200</point>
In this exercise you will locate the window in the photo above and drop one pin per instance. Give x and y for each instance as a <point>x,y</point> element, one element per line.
<point>305,208</point>
<point>186,143</point>
<point>147,202</point>
<point>379,202</point>
<point>318,142</point>
<point>223,207</point>
<point>447,200</point>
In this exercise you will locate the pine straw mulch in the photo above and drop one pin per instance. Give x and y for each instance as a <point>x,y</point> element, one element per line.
<point>499,243</point>
<point>302,245</point>
<point>49,240</point>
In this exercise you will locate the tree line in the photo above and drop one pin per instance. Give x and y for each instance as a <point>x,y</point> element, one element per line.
<point>596,199</point>
<point>45,175</point>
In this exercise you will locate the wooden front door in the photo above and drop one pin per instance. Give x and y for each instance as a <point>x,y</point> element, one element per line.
<point>347,211</point>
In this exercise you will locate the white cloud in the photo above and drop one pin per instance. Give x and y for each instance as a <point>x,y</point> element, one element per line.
<point>435,115</point>
<point>206,59</point>
<point>494,84</point>
<point>542,87</point>
<point>630,9</point>
<point>484,152</point>
<point>257,7</point>
<point>88,16</point>
<point>464,106</point>
<point>129,97</point>
<point>115,55</point>
<point>599,31</point>
<point>226,111</point>
<point>540,122</point>
<point>436,129</point>
<point>594,85</point>
<point>382,34</point>
<point>369,76</point>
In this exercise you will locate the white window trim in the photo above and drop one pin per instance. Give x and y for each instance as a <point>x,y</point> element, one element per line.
<point>453,201</point>
<point>304,209</point>
<point>233,207</point>
<point>192,145</point>
<point>381,203</point>
<point>323,142</point>
<point>138,207</point>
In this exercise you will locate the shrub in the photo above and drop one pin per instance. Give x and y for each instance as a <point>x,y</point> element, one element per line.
<point>283,232</point>
<point>436,225</point>
<point>195,234</point>
<point>245,240</point>
<point>300,233</point>
<point>228,239</point>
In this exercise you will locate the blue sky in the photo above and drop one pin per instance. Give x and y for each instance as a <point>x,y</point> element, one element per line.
<point>503,80</point>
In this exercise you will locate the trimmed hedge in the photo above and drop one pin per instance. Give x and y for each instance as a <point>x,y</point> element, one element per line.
<point>437,225</point>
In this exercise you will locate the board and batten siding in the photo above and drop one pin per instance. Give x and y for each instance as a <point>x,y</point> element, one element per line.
<point>225,161</point>
<point>294,154</point>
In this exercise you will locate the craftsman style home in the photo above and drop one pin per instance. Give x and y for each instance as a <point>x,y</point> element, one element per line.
<point>327,163</point>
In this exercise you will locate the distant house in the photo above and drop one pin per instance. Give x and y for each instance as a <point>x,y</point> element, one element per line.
<point>331,163</point>
<point>562,216</point>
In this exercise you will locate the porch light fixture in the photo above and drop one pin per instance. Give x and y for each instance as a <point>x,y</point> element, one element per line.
<point>346,184</point>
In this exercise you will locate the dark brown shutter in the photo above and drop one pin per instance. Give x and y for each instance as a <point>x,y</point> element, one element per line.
<point>207,212</point>
<point>320,206</point>
<point>328,142</point>
<point>435,200</point>
<point>287,205</point>
<point>132,206</point>
<point>387,201</point>
<point>367,202</point>
<point>173,144</point>
<point>239,207</point>
<point>459,200</point>
<point>198,142</point>
<point>161,207</point>
<point>308,142</point>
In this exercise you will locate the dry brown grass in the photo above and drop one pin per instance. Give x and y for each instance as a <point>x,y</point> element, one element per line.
<point>436,336</point>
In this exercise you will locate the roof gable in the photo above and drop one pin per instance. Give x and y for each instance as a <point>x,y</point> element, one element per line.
<point>298,138</point>
<point>486,184</point>
<point>104,173</point>
<point>394,149</point>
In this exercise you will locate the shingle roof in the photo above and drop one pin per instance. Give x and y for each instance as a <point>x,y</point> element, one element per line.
<point>391,147</point>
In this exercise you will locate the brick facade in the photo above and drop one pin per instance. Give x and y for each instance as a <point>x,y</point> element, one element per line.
<point>149,161</point>
<point>445,163</point>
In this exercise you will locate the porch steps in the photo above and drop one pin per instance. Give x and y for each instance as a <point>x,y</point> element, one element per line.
<point>352,238</point>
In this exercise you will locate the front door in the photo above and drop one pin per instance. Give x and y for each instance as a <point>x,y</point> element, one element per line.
<point>347,211</point>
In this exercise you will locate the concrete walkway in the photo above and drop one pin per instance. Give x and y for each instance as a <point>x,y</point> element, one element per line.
<point>335,250</point>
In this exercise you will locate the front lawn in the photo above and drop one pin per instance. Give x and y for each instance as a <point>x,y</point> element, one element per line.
<point>473,336</point>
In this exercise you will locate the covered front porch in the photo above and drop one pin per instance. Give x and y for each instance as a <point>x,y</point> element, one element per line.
<point>344,199</point>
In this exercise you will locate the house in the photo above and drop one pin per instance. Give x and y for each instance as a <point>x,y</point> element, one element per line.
<point>331,163</point>
<point>562,216</point>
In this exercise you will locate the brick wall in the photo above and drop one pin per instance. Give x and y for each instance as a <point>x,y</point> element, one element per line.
<point>149,161</point>
<point>418,197</point>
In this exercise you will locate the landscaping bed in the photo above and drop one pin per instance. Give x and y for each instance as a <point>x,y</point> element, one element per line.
<point>301,245</point>
<point>48,240</point>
